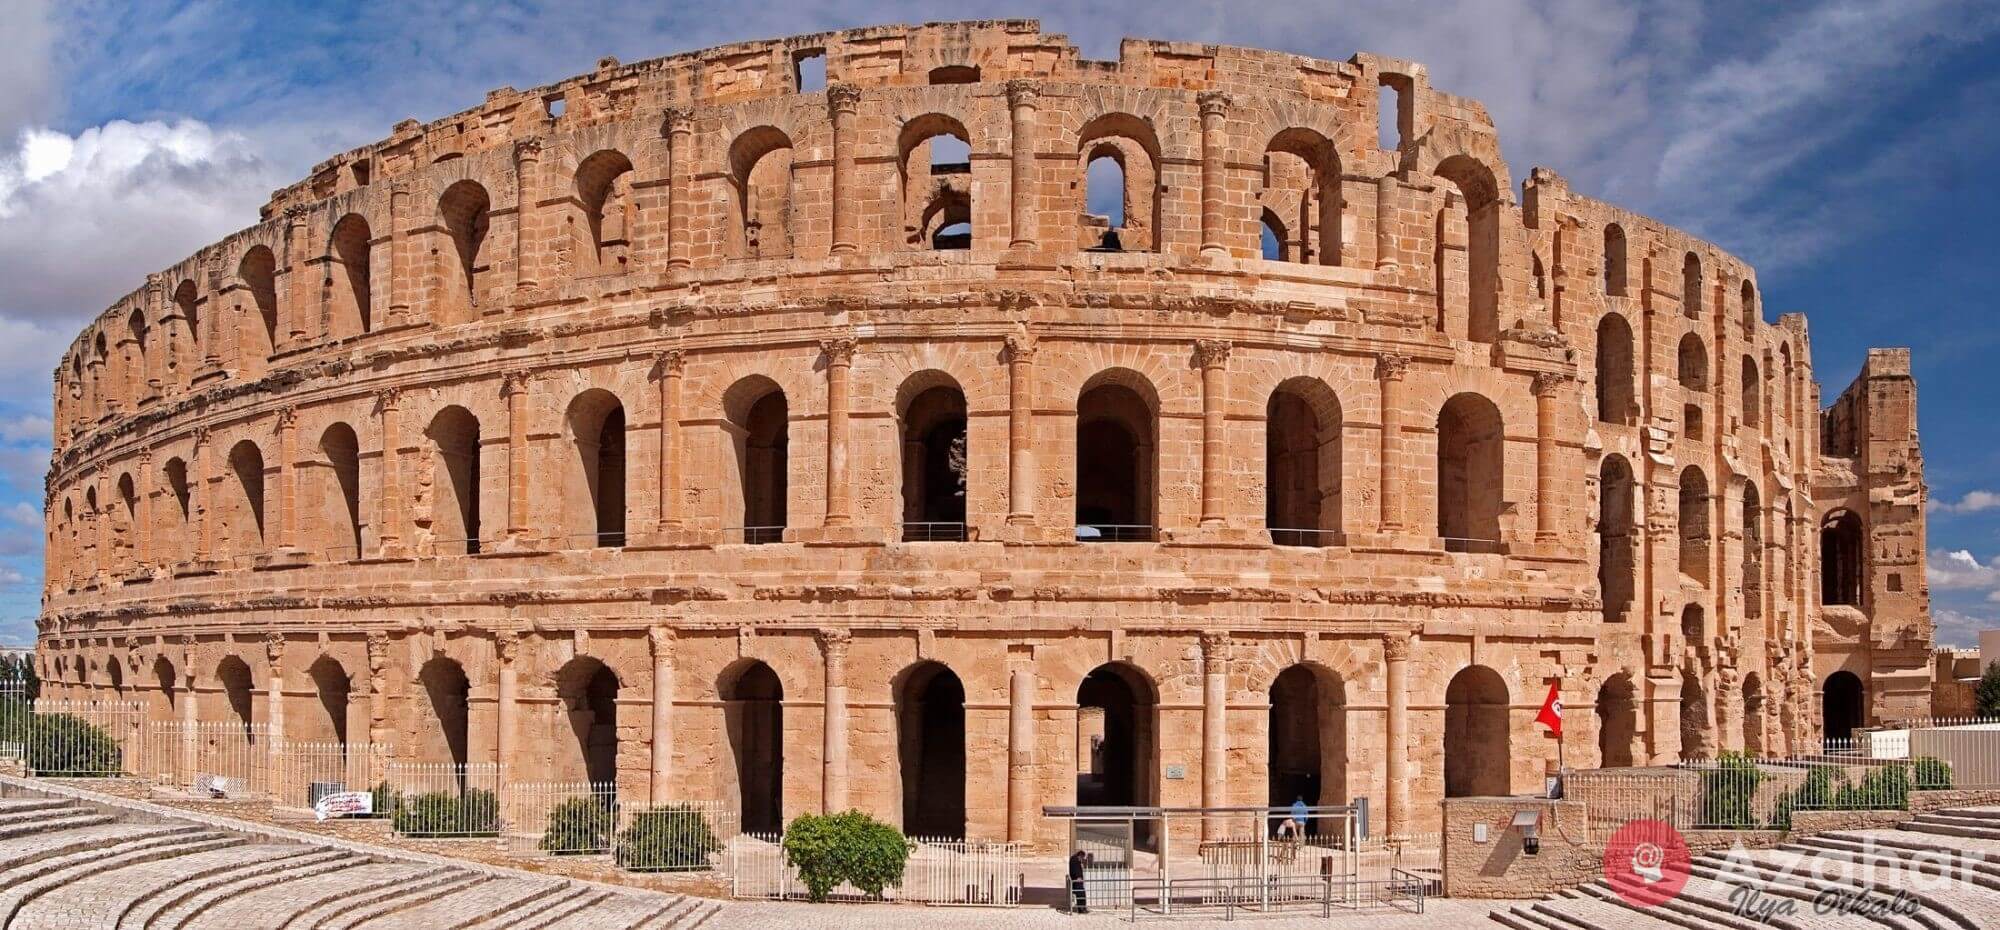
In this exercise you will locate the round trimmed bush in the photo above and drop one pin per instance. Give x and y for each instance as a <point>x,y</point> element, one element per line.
<point>849,847</point>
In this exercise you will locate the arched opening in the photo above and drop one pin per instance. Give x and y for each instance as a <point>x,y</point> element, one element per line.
<point>761,173</point>
<point>1843,705</point>
<point>954,74</point>
<point>1477,756</point>
<point>1614,260</point>
<point>594,496</point>
<point>454,512</point>
<point>1272,238</point>
<point>1694,528</point>
<point>341,490</point>
<point>934,455</point>
<point>1693,364</point>
<point>1479,188</point>
<point>1302,422</point>
<point>588,690</point>
<point>1840,559</point>
<point>1118,161</point>
<point>127,525</point>
<point>609,214</point>
<point>1116,741</point>
<point>1470,474</point>
<point>352,312</point>
<point>1694,717</point>
<point>187,303</point>
<point>1750,313</point>
<point>332,683</point>
<point>167,683</point>
<point>758,425</point>
<point>936,159</point>
<point>1753,715</point>
<point>1691,285</point>
<point>1302,187</point>
<point>1753,553</point>
<point>142,372</point>
<point>930,744</point>
<point>1539,276</point>
<point>1103,218</point>
<point>178,485</point>
<point>1394,116</point>
<point>1753,393</point>
<point>1617,544</point>
<point>447,724</point>
<point>259,273</point>
<point>1307,740</point>
<point>1115,459</point>
<point>114,675</point>
<point>753,706</point>
<point>465,209</point>
<point>238,692</point>
<point>245,515</point>
<point>1617,721</point>
<point>1614,371</point>
<point>1694,627</point>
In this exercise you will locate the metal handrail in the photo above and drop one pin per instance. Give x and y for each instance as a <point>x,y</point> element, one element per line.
<point>1474,545</point>
<point>934,531</point>
<point>1114,532</point>
<point>1298,536</point>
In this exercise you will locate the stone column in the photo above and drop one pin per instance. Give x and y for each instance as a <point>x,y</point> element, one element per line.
<point>1385,231</point>
<point>190,739</point>
<point>1396,764</point>
<point>274,699</point>
<point>1214,170</point>
<point>378,703</point>
<point>839,358</point>
<point>1021,811</point>
<point>833,777</point>
<point>142,517</point>
<point>286,534</point>
<point>389,506</point>
<point>662,639</point>
<point>1546,385</point>
<point>1214,728</point>
<point>205,511</point>
<point>527,161</point>
<point>841,100</point>
<point>1390,369</point>
<point>301,305</point>
<point>1212,355</point>
<point>506,647</point>
<point>401,279</point>
<point>1022,98</point>
<point>668,370</point>
<point>1020,429</point>
<point>680,189</point>
<point>514,385</point>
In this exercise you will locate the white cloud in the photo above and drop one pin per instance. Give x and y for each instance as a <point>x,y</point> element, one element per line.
<point>1959,629</point>
<point>25,428</point>
<point>1960,570</point>
<point>22,514</point>
<point>25,79</point>
<point>1972,502</point>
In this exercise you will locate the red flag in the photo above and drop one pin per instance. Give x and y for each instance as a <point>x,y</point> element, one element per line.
<point>1552,710</point>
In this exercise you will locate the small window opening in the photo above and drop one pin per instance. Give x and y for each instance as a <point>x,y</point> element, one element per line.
<point>1388,117</point>
<point>1272,239</point>
<point>952,236</point>
<point>955,74</point>
<point>1104,200</point>
<point>554,106</point>
<point>361,173</point>
<point>809,69</point>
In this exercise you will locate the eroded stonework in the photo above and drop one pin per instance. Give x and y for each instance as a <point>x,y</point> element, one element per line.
<point>835,415</point>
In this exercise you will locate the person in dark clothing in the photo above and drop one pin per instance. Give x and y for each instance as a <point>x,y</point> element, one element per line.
<point>1077,902</point>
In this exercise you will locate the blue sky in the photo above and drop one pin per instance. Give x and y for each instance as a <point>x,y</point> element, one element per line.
<point>1841,147</point>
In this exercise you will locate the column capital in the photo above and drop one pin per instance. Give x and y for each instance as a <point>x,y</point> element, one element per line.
<point>296,214</point>
<point>670,364</point>
<point>1023,92</point>
<point>839,351</point>
<point>1212,353</point>
<point>1396,647</point>
<point>833,643</point>
<point>1547,383</point>
<point>1213,103</point>
<point>288,416</point>
<point>386,399</point>
<point>677,120</point>
<point>1215,646</point>
<point>1021,347</point>
<point>1391,367</point>
<point>506,645</point>
<point>841,97</point>
<point>527,150</point>
<point>661,640</point>
<point>274,648</point>
<point>514,382</point>
<point>378,653</point>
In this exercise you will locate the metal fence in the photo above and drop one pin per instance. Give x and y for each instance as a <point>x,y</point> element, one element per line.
<point>303,771</point>
<point>677,836</point>
<point>209,758</point>
<point>1734,792</point>
<point>939,870</point>
<point>561,818</point>
<point>78,739</point>
<point>442,799</point>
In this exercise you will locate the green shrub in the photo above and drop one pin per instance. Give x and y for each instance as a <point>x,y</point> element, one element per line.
<point>851,847</point>
<point>579,825</point>
<point>65,744</point>
<point>384,800</point>
<point>475,812</point>
<point>1986,697</point>
<point>675,838</point>
<point>1729,792</point>
<point>1930,773</point>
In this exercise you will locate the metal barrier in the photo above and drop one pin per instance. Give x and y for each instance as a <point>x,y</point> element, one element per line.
<point>1293,536</point>
<point>1734,792</point>
<point>303,771</point>
<point>1113,532</point>
<point>934,532</point>
<point>443,799</point>
<point>561,818</point>
<point>679,836</point>
<point>215,759</point>
<point>81,739</point>
<point>938,871</point>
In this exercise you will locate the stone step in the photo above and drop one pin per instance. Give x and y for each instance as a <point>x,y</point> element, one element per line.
<point>671,913</point>
<point>534,913</point>
<point>25,850</point>
<point>1968,869</point>
<point>480,902</point>
<point>1521,918</point>
<point>73,819</point>
<point>100,899</point>
<point>385,901</point>
<point>1950,829</point>
<point>172,911</point>
<point>1774,884</point>
<point>14,809</point>
<point>588,897</point>
<point>703,912</point>
<point>1960,820</point>
<point>279,904</point>
<point>1692,912</point>
<point>25,884</point>
<point>1940,903</point>
<point>624,911</point>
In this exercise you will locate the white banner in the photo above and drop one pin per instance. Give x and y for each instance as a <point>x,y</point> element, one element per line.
<point>345,804</point>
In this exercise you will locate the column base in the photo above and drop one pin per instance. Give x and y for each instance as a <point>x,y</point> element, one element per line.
<point>283,557</point>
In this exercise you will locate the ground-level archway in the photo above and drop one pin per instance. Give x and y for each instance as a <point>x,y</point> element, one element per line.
<point>753,706</point>
<point>1116,740</point>
<point>588,690</point>
<point>1617,721</point>
<point>449,694</point>
<point>1844,704</point>
<point>930,744</point>
<point>1477,755</point>
<point>1307,739</point>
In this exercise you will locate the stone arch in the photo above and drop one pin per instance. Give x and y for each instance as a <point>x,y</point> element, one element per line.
<point>1691,285</point>
<point>1694,523</point>
<point>1477,752</point>
<point>606,215</point>
<point>454,512</point>
<point>340,491</point>
<point>140,360</point>
<point>1617,538</point>
<point>760,163</point>
<point>1302,463</point>
<point>1842,559</point>
<point>933,155</point>
<point>187,302</point>
<point>1615,371</point>
<point>758,420</point>
<point>125,527</point>
<point>1128,143</point>
<point>232,676</point>
<point>1843,705</point>
<point>1694,716</point>
<point>166,684</point>
<point>258,270</point>
<point>1693,364</point>
<point>1615,266</point>
<point>589,690</point>
<point>1306,737</point>
<point>1273,237</point>
<point>1479,187</point>
<point>1471,473</point>
<point>1118,750</point>
<point>333,686</point>
<point>444,730</point>
<point>1753,552</point>
<point>244,514</point>
<point>181,488</point>
<point>594,491</point>
<point>1617,721</point>
<point>753,704</point>
<point>1301,185</point>
<point>351,308</point>
<point>466,212</point>
<point>1117,430</point>
<point>1750,312</point>
<point>1753,392</point>
<point>1753,715</point>
<point>931,418</point>
<point>930,742</point>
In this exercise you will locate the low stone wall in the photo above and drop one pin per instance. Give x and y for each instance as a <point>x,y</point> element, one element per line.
<point>1926,801</point>
<point>1806,823</point>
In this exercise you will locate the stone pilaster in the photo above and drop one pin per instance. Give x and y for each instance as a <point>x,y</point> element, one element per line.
<point>842,99</point>
<point>527,165</point>
<point>668,371</point>
<point>839,358</point>
<point>1212,356</point>
<point>515,385</point>
<point>680,175</point>
<point>1020,429</point>
<point>1546,387</point>
<point>1023,98</point>
<point>662,639</point>
<point>1214,728</point>
<point>1396,752</point>
<point>1385,227</point>
<point>1390,371</point>
<point>833,645</point>
<point>1021,753</point>
<point>506,648</point>
<point>1214,106</point>
<point>389,516</point>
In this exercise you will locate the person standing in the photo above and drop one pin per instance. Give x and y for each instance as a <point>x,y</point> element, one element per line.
<point>1299,814</point>
<point>1078,903</point>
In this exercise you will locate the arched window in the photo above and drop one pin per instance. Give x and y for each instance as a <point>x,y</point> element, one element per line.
<point>1480,192</point>
<point>1750,311</point>
<point>1471,479</point>
<point>1694,528</point>
<point>759,430</point>
<point>753,713</point>
<point>1753,716</point>
<point>1694,717</point>
<point>1302,188</point>
<point>760,164</point>
<point>1617,721</point>
<point>1302,424</point>
<point>176,473</point>
<point>238,691</point>
<point>936,158</point>
<point>1843,705</point>
<point>259,272</point>
<point>1615,371</point>
<point>1118,160</point>
<point>333,685</point>
<point>245,513</point>
<point>127,525</point>
<point>1841,555</point>
<point>594,494</point>
<point>1617,544</point>
<point>606,214</point>
<point>442,732</point>
<point>349,277</point>
<point>455,460</point>
<point>1753,553</point>
<point>192,352</point>
<point>166,681</point>
<point>931,414</point>
<point>464,270</point>
<point>1691,285</point>
<point>588,690</point>
<point>1272,237</point>
<point>1694,381</point>
<point>1753,393</point>
<point>1614,260</point>
<point>1307,737</point>
<point>1115,458</point>
<point>930,743</point>
<point>1477,755</point>
<point>340,492</point>
<point>1539,276</point>
<point>141,372</point>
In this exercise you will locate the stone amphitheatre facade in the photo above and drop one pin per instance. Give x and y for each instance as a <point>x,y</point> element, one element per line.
<point>696,426</point>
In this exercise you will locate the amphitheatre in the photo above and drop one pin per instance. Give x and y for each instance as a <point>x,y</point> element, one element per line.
<point>777,426</point>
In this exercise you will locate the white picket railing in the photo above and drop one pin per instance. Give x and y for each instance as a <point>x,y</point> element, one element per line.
<point>304,770</point>
<point>217,759</point>
<point>81,739</point>
<point>443,799</point>
<point>677,836</point>
<point>561,818</point>
<point>940,870</point>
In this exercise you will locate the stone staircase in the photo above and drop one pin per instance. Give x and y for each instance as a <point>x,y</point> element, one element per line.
<point>70,864</point>
<point>1944,865</point>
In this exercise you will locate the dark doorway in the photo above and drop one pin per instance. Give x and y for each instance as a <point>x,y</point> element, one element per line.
<point>930,730</point>
<point>1844,704</point>
<point>754,712</point>
<point>1477,757</point>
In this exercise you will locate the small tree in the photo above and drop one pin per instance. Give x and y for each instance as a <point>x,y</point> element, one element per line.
<point>1986,698</point>
<point>851,847</point>
<point>579,825</point>
<point>675,838</point>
